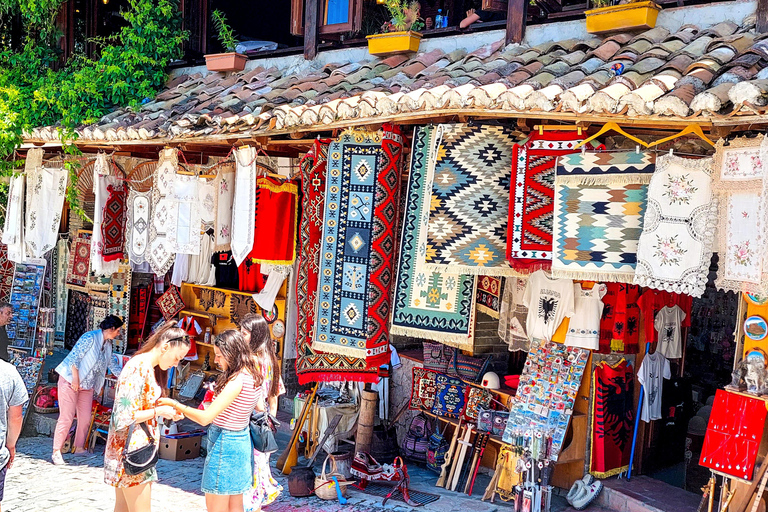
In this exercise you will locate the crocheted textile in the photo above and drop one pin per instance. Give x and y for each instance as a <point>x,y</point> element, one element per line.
<point>206,203</point>
<point>6,273</point>
<point>428,304</point>
<point>224,183</point>
<point>356,269</point>
<point>137,220</point>
<point>513,315</point>
<point>489,292</point>
<point>46,189</point>
<point>113,224</point>
<point>532,198</point>
<point>79,259</point>
<point>739,180</point>
<point>599,205</point>
<point>13,228</point>
<point>675,248</point>
<point>161,254</point>
<point>186,220</point>
<point>468,210</point>
<point>243,203</point>
<point>170,303</point>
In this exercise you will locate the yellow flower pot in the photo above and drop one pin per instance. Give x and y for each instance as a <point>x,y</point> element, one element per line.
<point>394,42</point>
<point>617,18</point>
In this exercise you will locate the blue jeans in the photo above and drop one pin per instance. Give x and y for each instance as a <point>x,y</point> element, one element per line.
<point>228,466</point>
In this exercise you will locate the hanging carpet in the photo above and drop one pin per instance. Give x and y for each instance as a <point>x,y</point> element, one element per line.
<point>137,226</point>
<point>356,260</point>
<point>489,292</point>
<point>60,286</point>
<point>612,418</point>
<point>113,223</point>
<point>599,204</point>
<point>739,180</point>
<point>78,311</point>
<point>313,366</point>
<point>119,299</point>
<point>140,298</point>
<point>675,248</point>
<point>79,259</point>
<point>98,310</point>
<point>161,254</point>
<point>532,198</point>
<point>428,304</point>
<point>468,210</point>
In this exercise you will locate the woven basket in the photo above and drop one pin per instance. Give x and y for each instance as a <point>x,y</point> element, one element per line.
<point>325,488</point>
<point>42,410</point>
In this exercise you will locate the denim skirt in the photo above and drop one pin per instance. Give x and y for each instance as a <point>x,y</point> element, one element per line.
<point>228,468</point>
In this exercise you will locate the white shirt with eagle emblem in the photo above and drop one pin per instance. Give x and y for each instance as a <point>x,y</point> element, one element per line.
<point>548,301</point>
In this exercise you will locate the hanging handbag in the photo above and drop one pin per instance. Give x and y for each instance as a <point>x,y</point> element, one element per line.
<point>262,432</point>
<point>416,440</point>
<point>438,447</point>
<point>141,459</point>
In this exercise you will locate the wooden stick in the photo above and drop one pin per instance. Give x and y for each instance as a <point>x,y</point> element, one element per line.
<point>477,462</point>
<point>462,454</point>
<point>468,462</point>
<point>449,456</point>
<point>753,487</point>
<point>712,484</point>
<point>455,458</point>
<point>290,455</point>
<point>728,500</point>
<point>760,491</point>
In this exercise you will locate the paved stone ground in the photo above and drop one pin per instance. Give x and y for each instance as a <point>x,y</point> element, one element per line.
<point>36,485</point>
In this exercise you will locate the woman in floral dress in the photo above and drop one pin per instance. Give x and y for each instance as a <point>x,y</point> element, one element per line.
<point>256,331</point>
<point>138,390</point>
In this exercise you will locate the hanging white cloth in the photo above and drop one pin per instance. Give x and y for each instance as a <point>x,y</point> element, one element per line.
<point>161,255</point>
<point>244,203</point>
<point>138,212</point>
<point>185,224</point>
<point>46,189</point>
<point>277,274</point>
<point>201,270</point>
<point>180,270</point>
<point>102,179</point>
<point>13,230</point>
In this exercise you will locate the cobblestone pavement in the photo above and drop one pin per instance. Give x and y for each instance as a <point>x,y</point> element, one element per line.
<point>34,484</point>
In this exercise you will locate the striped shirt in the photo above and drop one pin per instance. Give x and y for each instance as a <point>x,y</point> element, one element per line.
<point>238,414</point>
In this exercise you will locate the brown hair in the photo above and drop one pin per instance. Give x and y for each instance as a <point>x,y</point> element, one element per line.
<point>170,334</point>
<point>262,343</point>
<point>235,350</point>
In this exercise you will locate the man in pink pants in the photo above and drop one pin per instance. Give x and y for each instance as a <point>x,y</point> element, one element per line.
<point>81,374</point>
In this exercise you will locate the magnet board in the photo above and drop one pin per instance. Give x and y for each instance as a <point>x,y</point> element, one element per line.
<point>26,291</point>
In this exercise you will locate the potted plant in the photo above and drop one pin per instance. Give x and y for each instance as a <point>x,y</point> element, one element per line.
<point>635,15</point>
<point>231,60</point>
<point>400,34</point>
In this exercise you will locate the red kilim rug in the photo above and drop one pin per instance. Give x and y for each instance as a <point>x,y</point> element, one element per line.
<point>113,225</point>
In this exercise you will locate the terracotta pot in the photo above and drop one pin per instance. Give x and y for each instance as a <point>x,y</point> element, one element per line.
<point>393,43</point>
<point>619,18</point>
<point>231,61</point>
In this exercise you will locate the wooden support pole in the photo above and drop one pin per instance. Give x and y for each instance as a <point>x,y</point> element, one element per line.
<point>368,408</point>
<point>517,15</point>
<point>311,29</point>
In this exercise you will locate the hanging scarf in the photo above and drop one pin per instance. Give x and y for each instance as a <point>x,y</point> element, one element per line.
<point>13,231</point>
<point>161,255</point>
<point>244,203</point>
<point>62,257</point>
<point>206,204</point>
<point>113,224</point>
<point>675,248</point>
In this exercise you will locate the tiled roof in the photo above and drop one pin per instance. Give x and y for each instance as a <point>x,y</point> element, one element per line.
<point>691,73</point>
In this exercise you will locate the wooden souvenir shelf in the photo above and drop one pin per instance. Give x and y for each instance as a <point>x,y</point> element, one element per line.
<point>571,461</point>
<point>219,318</point>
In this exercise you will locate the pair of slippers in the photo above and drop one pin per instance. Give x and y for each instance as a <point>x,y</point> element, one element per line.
<point>584,492</point>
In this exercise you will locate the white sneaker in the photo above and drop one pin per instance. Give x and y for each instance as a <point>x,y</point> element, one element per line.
<point>57,459</point>
<point>584,500</point>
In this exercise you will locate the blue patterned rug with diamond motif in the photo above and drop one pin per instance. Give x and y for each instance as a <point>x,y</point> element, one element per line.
<point>469,209</point>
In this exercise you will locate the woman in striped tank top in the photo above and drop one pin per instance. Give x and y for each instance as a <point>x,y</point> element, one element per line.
<point>227,473</point>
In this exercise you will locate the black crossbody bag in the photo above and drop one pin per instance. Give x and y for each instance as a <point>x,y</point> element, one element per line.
<point>141,459</point>
<point>262,427</point>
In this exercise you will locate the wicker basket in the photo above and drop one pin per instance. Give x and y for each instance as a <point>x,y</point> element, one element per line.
<point>42,410</point>
<point>325,487</point>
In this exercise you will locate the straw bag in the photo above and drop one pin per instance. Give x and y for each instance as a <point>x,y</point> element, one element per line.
<point>325,487</point>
